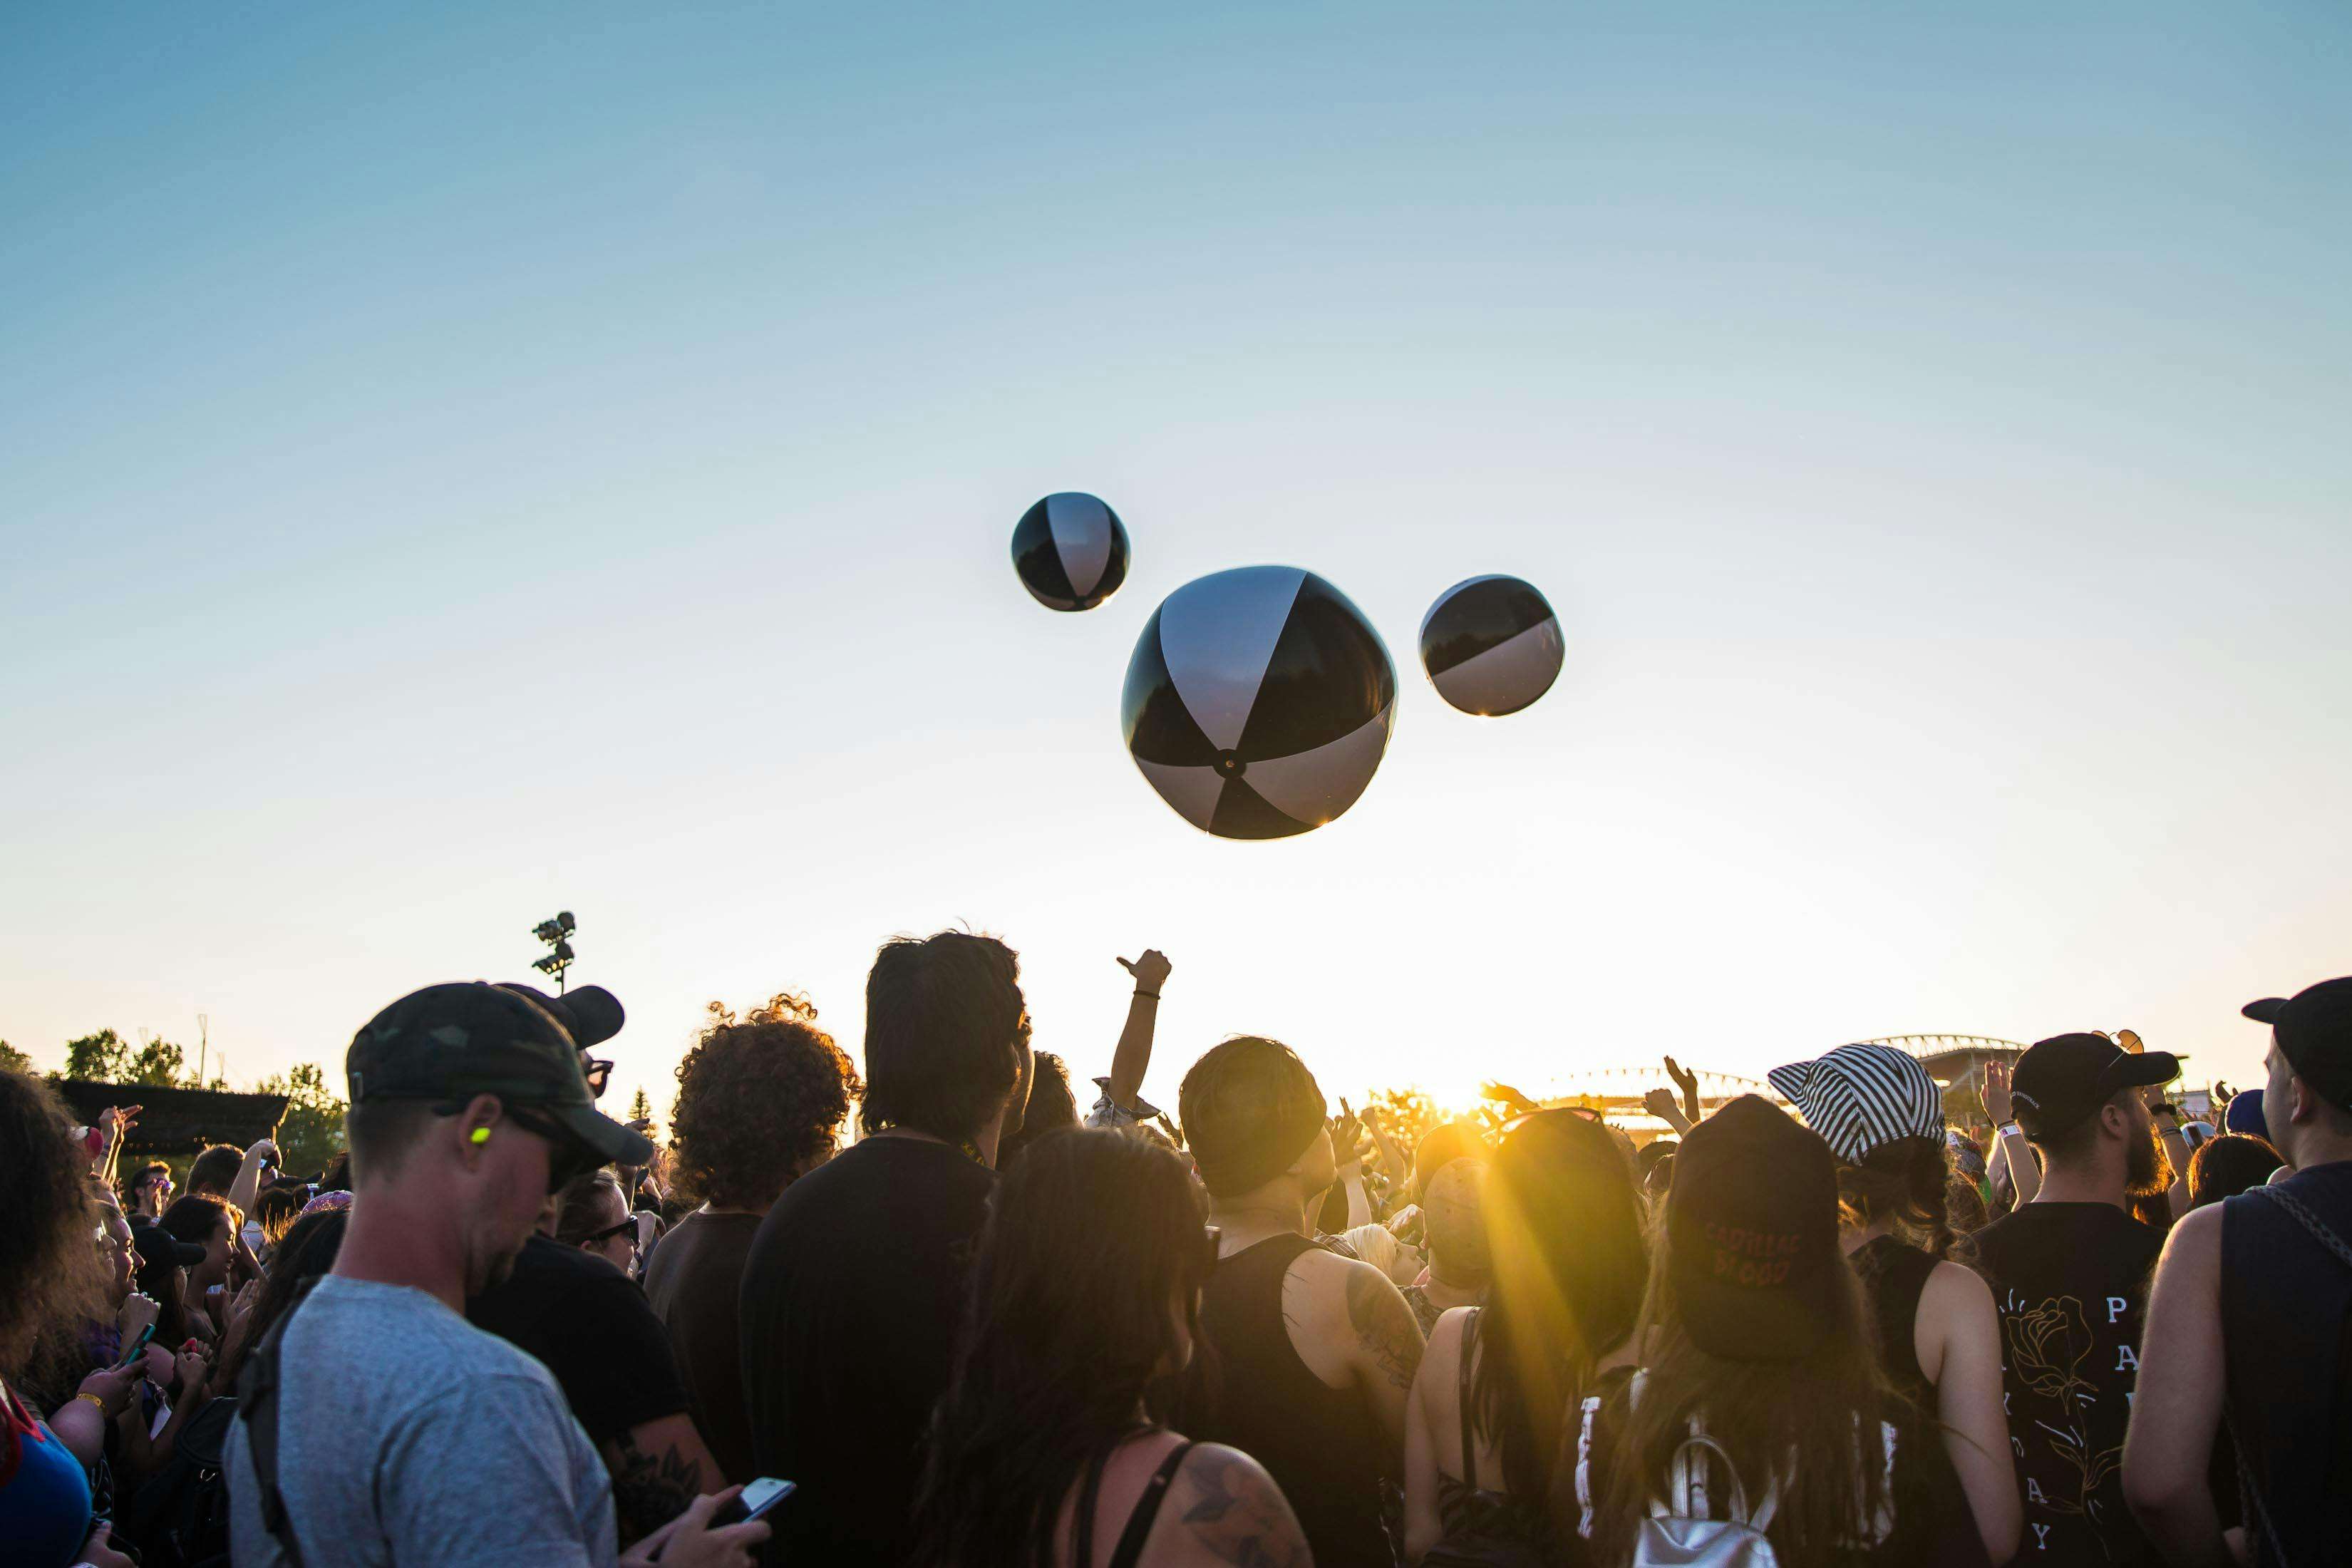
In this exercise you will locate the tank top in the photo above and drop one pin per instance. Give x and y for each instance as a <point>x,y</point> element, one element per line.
<point>1323,1445</point>
<point>1894,1274</point>
<point>2286,1333</point>
<point>44,1493</point>
<point>1129,1551</point>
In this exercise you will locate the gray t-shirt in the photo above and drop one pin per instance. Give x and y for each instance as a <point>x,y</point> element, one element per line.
<point>407,1436</point>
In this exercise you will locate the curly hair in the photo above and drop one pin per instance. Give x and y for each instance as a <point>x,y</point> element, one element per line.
<point>53,1272</point>
<point>759,1098</point>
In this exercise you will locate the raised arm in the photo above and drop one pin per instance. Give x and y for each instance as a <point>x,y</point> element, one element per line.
<point>2009,1147</point>
<point>247,1184</point>
<point>2177,1405</point>
<point>1133,1058</point>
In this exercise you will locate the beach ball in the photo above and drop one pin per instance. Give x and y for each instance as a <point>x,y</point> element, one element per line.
<point>1258,703</point>
<point>1491,645</point>
<point>1070,551</point>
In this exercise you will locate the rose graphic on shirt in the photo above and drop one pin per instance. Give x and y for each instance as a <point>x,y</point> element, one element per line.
<point>2048,1347</point>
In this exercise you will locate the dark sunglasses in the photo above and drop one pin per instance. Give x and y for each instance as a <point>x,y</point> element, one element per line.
<point>598,1073</point>
<point>598,1238</point>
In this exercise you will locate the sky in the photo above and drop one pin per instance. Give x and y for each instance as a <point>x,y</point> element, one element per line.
<point>462,462</point>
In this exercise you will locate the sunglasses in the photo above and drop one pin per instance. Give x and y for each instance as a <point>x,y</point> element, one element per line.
<point>158,1184</point>
<point>598,1073</point>
<point>598,1238</point>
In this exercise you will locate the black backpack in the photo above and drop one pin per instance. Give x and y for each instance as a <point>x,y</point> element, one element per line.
<point>179,1516</point>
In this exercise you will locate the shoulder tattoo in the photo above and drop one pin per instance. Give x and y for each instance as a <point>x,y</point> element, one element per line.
<point>1237,1516</point>
<point>1384,1325</point>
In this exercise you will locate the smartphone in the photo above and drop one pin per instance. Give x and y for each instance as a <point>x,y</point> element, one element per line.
<point>138,1347</point>
<point>756,1499</point>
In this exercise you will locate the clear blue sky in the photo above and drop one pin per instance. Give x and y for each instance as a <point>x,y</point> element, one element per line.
<point>457,462</point>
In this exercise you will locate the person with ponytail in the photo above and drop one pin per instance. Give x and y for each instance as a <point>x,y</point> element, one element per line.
<point>1048,1450</point>
<point>1758,1401</point>
<point>1938,1329</point>
<point>1563,1225</point>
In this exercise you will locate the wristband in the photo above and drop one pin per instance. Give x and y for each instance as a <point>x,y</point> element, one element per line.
<point>96,1402</point>
<point>2007,1128</point>
<point>1139,991</point>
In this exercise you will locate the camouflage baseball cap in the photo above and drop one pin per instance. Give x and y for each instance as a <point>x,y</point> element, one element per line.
<point>452,1042</point>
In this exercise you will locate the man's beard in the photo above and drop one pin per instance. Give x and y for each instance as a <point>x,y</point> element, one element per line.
<point>2148,1169</point>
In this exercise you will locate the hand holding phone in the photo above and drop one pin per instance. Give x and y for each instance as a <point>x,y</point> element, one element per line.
<point>137,1349</point>
<point>756,1499</point>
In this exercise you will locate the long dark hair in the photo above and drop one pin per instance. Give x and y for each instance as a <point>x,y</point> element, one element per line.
<point>1093,1241</point>
<point>1809,1426</point>
<point>53,1275</point>
<point>1904,1180</point>
<point>1564,1230</point>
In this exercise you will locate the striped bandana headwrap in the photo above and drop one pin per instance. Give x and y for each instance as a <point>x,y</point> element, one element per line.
<point>1859,1098</point>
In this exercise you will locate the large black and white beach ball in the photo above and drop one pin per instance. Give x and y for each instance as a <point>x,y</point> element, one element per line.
<point>1071,551</point>
<point>1491,645</point>
<point>1258,703</point>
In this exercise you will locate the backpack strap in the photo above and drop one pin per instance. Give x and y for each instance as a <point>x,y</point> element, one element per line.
<point>1584,1467</point>
<point>257,1400</point>
<point>1469,1451</point>
<point>1129,1550</point>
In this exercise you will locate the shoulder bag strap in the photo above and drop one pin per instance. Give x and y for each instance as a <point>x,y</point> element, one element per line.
<point>1584,1467</point>
<point>257,1402</point>
<point>1469,1448</point>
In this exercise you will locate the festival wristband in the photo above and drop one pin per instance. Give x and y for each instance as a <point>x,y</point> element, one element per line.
<point>2010,1129</point>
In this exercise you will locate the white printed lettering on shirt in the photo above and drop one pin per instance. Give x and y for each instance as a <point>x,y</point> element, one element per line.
<point>2124,1360</point>
<point>2117,1308</point>
<point>2041,1538</point>
<point>2033,1491</point>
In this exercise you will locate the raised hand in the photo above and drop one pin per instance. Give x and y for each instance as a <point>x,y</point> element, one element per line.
<point>1504,1094</point>
<point>1994,1092</point>
<point>1661,1104</point>
<point>1689,1083</point>
<point>1346,1132</point>
<point>1150,970</point>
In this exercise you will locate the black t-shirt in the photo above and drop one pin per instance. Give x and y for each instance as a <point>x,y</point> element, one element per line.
<point>590,1325</point>
<point>694,1281</point>
<point>851,1297</point>
<point>2071,1281</point>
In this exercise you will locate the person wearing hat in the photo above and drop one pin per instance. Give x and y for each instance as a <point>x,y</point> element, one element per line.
<point>1938,1331</point>
<point>1754,1334</point>
<point>375,1425</point>
<point>592,1326</point>
<point>2070,1271</point>
<point>2250,1333</point>
<point>1314,1355</point>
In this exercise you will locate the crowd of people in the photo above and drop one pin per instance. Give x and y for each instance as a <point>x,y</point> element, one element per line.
<point>1013,1325</point>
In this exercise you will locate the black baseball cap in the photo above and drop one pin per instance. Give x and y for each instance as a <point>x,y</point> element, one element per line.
<point>158,1248</point>
<point>449,1043</point>
<point>2314,1031</point>
<point>591,1016</point>
<point>1752,1235</point>
<point>2060,1082</point>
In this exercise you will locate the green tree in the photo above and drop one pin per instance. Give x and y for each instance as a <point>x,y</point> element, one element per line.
<point>641,1109</point>
<point>102,1057</point>
<point>311,1133</point>
<point>14,1060</point>
<point>161,1063</point>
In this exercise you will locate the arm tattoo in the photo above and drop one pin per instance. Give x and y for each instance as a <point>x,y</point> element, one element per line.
<point>1384,1325</point>
<point>1238,1517</point>
<point>648,1489</point>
